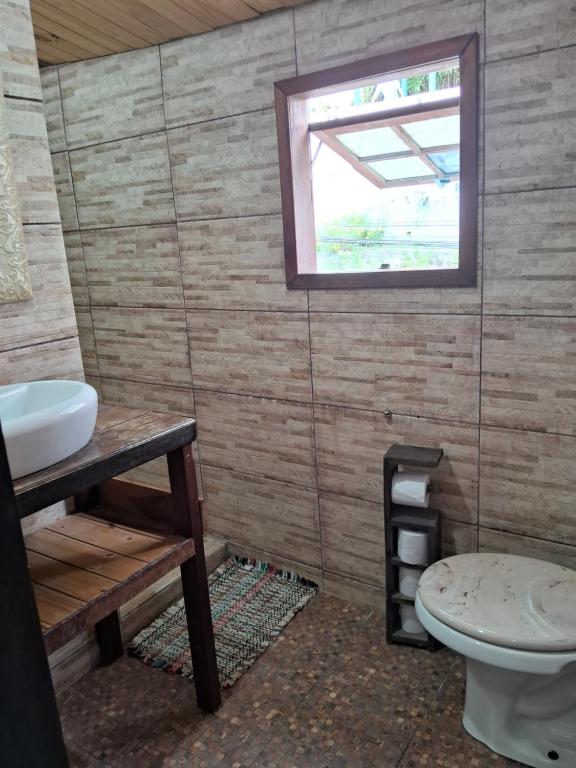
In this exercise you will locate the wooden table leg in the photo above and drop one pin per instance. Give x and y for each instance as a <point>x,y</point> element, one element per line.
<point>109,639</point>
<point>30,733</point>
<point>195,579</point>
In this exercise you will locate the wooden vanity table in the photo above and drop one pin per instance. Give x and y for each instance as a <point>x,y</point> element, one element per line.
<point>77,572</point>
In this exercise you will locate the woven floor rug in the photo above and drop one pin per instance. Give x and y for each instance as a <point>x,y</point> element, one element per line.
<point>251,603</point>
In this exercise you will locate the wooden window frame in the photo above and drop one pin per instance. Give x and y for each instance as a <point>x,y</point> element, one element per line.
<point>291,97</point>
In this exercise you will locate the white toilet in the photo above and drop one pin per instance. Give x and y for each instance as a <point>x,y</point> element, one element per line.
<point>514,619</point>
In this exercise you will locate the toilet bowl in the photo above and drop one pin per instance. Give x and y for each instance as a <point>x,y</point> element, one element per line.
<point>514,619</point>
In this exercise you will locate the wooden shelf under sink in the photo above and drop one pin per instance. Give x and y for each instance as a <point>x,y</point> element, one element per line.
<point>83,567</point>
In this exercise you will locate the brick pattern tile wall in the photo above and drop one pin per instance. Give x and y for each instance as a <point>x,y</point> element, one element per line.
<point>38,338</point>
<point>166,166</point>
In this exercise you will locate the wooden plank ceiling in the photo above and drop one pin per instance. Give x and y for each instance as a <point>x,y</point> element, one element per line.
<point>72,30</point>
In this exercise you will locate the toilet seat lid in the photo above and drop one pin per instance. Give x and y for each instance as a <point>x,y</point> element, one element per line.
<point>508,600</point>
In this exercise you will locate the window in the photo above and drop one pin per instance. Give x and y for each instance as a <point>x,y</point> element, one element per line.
<point>378,168</point>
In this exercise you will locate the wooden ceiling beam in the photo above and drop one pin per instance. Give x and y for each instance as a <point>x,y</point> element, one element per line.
<point>48,55</point>
<point>125,22</point>
<point>62,32</point>
<point>83,29</point>
<point>172,16</point>
<point>262,6</point>
<point>236,10</point>
<point>164,26</point>
<point>74,16</point>
<point>220,13</point>
<point>61,52</point>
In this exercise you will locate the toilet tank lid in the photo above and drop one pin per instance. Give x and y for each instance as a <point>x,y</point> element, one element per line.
<point>507,600</point>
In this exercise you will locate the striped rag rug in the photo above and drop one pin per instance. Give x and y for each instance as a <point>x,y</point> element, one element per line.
<point>251,603</point>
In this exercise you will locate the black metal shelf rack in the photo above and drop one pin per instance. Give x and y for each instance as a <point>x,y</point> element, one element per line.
<point>399,516</point>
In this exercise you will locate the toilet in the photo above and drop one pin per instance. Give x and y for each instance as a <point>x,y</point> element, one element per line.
<point>514,619</point>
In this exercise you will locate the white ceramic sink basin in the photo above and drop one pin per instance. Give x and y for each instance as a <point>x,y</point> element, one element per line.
<point>44,422</point>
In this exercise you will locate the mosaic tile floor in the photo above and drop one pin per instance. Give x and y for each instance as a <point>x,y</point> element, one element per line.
<point>328,694</point>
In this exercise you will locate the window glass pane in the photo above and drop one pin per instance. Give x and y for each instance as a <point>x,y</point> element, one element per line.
<point>314,143</point>
<point>435,132</point>
<point>448,162</point>
<point>402,168</point>
<point>389,92</point>
<point>375,141</point>
<point>360,227</point>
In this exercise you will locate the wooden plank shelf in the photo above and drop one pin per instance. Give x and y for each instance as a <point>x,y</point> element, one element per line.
<point>419,640</point>
<point>398,597</point>
<point>413,517</point>
<point>83,568</point>
<point>414,456</point>
<point>395,560</point>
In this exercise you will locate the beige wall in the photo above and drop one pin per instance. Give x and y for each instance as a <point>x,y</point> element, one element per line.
<point>38,338</point>
<point>167,175</point>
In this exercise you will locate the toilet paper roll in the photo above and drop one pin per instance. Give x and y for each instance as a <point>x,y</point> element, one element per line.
<point>409,620</point>
<point>412,546</point>
<point>408,581</point>
<point>410,488</point>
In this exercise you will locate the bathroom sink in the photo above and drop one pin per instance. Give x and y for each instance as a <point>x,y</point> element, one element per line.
<point>44,422</point>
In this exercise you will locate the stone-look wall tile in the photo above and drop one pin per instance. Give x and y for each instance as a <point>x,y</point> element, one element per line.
<point>123,183</point>
<point>236,264</point>
<point>527,484</point>
<point>528,373</point>
<point>226,167</point>
<point>457,301</point>
<point>52,102</point>
<point>284,563</point>
<point>498,541</point>
<point>148,397</point>
<point>199,85</point>
<point>49,315</point>
<point>76,269</point>
<point>87,340</point>
<point>31,158</point>
<point>112,97</point>
<point>256,436</point>
<point>333,32</point>
<point>152,397</point>
<point>353,591</point>
<point>65,191</point>
<point>458,538</point>
<point>351,445</point>
<point>531,122</point>
<point>134,267</point>
<point>530,253</point>
<point>94,381</point>
<point>156,473</point>
<point>54,360</point>
<point>38,520</point>
<point>251,353</point>
<point>353,538</point>
<point>44,327</point>
<point>514,30</point>
<point>262,513</point>
<point>411,364</point>
<point>18,60</point>
<point>142,345</point>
